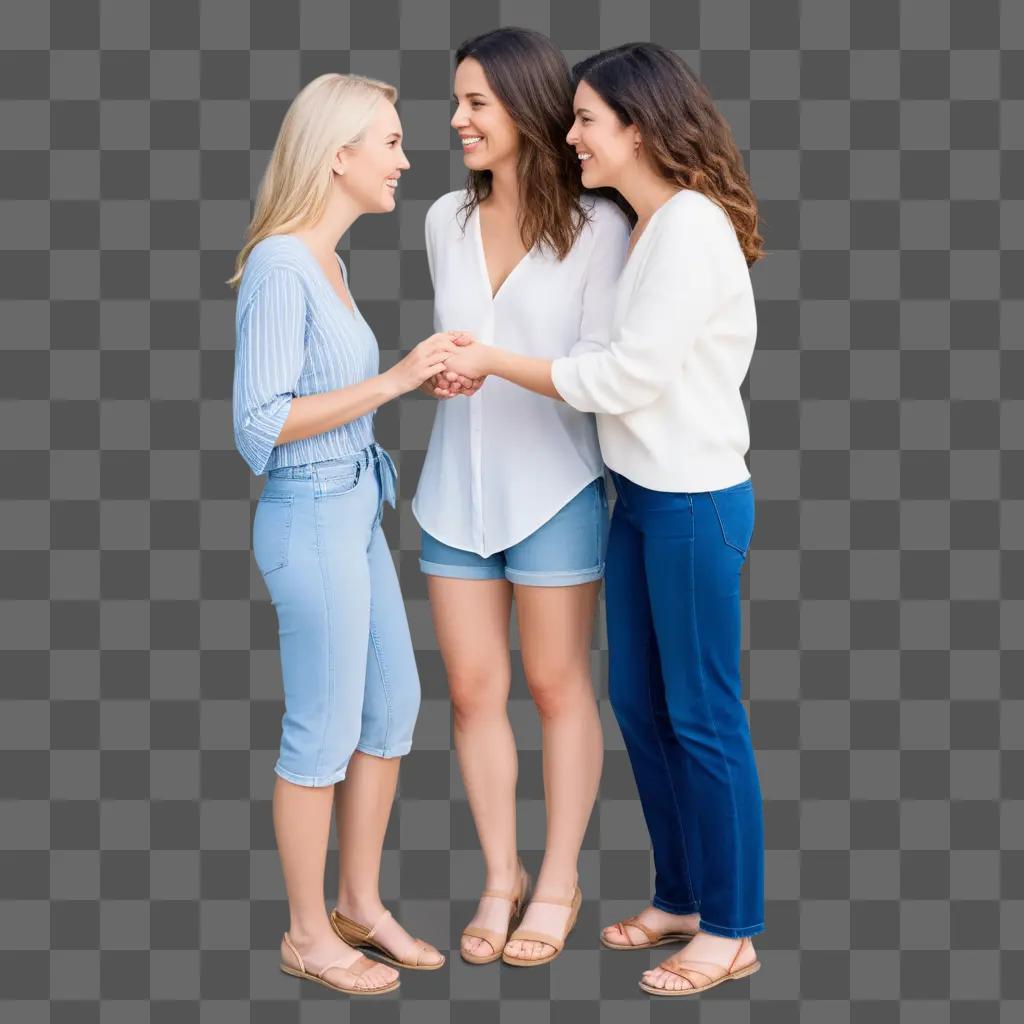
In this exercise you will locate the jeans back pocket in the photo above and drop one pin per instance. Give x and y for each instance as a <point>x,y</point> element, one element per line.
<point>271,531</point>
<point>734,507</point>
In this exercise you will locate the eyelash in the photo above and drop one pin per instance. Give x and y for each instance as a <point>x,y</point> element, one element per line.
<point>584,120</point>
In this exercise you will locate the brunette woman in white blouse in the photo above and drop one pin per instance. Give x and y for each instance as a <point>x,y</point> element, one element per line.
<point>511,498</point>
<point>674,434</point>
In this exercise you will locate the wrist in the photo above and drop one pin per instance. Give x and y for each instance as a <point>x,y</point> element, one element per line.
<point>390,385</point>
<point>495,361</point>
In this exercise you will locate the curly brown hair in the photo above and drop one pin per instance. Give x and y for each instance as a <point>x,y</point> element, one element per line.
<point>689,141</point>
<point>530,77</point>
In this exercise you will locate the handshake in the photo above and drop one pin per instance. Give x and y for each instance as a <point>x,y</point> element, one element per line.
<point>444,365</point>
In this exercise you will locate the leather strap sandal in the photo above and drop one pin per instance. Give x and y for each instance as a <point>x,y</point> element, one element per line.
<point>654,938</point>
<point>684,969</point>
<point>358,967</point>
<point>497,939</point>
<point>532,936</point>
<point>359,936</point>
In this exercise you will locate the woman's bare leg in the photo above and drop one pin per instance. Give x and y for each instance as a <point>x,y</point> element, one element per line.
<point>302,819</point>
<point>471,620</point>
<point>363,805</point>
<point>555,631</point>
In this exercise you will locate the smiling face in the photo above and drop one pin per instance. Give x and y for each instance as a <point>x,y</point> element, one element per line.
<point>605,146</point>
<point>369,170</point>
<point>487,132</point>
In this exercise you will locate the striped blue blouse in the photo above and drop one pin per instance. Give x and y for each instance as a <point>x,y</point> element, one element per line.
<point>294,336</point>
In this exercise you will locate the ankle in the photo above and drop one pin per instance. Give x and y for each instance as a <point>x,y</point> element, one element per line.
<point>556,882</point>
<point>503,875</point>
<point>359,907</point>
<point>306,934</point>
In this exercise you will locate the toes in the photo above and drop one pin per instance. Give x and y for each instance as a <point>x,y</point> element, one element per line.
<point>376,976</point>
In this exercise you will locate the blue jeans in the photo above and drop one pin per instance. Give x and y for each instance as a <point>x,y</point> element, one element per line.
<point>347,661</point>
<point>672,594</point>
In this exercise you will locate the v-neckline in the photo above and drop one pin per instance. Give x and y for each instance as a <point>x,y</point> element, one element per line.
<point>483,258</point>
<point>352,310</point>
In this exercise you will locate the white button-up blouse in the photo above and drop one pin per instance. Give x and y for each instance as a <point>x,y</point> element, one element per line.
<point>501,463</point>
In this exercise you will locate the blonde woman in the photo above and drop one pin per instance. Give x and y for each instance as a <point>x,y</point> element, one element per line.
<point>306,386</point>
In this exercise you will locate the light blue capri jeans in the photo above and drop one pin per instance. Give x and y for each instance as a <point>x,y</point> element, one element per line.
<point>350,677</point>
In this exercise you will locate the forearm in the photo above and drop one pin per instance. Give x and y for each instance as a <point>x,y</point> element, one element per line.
<point>310,415</point>
<point>527,371</point>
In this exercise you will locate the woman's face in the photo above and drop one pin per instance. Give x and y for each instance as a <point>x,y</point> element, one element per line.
<point>606,148</point>
<point>488,134</point>
<point>369,170</point>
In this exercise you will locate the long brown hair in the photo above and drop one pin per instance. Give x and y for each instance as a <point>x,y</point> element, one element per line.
<point>531,78</point>
<point>687,138</point>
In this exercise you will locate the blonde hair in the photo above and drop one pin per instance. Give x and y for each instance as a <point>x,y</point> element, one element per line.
<point>331,111</point>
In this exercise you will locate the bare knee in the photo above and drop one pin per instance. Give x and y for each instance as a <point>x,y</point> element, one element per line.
<point>478,693</point>
<point>559,688</point>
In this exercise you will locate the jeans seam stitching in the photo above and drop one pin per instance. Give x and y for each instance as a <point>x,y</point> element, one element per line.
<point>668,773</point>
<point>383,676</point>
<point>325,577</point>
<point>700,675</point>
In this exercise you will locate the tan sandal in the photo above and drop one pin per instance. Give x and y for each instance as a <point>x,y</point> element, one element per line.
<point>532,936</point>
<point>497,939</point>
<point>653,938</point>
<point>682,969</point>
<point>361,937</point>
<point>358,967</point>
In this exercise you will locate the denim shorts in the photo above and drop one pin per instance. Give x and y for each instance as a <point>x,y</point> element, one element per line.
<point>566,550</point>
<point>347,661</point>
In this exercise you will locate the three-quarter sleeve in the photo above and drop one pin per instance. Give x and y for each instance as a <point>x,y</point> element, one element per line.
<point>671,302</point>
<point>269,353</point>
<point>604,265</point>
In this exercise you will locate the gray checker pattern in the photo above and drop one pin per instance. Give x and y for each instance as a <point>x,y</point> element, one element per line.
<point>884,594</point>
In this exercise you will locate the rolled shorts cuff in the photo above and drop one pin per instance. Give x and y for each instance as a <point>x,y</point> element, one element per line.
<point>463,572</point>
<point>310,780</point>
<point>400,751</point>
<point>731,933</point>
<point>676,908</point>
<point>558,578</point>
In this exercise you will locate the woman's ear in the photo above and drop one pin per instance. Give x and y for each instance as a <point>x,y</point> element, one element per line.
<point>338,163</point>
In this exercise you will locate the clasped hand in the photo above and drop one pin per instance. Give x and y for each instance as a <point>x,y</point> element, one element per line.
<point>449,382</point>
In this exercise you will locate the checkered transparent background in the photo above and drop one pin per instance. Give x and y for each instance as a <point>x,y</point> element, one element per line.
<point>884,598</point>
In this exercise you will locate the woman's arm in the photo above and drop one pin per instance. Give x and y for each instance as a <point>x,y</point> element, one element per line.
<point>674,296</point>
<point>673,299</point>
<point>269,354</point>
<point>604,265</point>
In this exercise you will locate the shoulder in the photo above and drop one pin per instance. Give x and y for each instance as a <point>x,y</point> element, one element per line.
<point>604,214</point>
<point>274,261</point>
<point>443,209</point>
<point>692,214</point>
<point>606,223</point>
